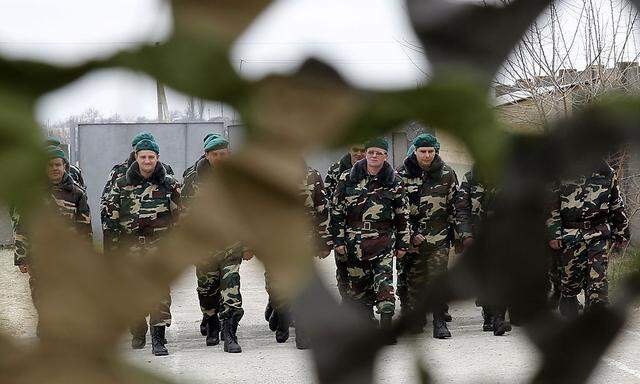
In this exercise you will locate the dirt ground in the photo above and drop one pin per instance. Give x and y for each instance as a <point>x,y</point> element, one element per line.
<point>470,356</point>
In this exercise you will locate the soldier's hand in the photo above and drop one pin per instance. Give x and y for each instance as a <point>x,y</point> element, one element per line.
<point>400,253</point>
<point>247,255</point>
<point>555,244</point>
<point>341,249</point>
<point>418,239</point>
<point>24,268</point>
<point>466,243</point>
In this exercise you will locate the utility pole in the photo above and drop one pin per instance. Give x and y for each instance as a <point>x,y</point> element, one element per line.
<point>163,108</point>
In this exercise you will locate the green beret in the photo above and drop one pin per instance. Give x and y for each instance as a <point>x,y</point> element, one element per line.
<point>147,145</point>
<point>210,135</point>
<point>215,143</point>
<point>55,152</point>
<point>378,142</point>
<point>142,136</point>
<point>54,141</point>
<point>426,140</point>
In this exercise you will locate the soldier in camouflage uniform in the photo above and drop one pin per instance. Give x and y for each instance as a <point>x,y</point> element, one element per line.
<point>140,209</point>
<point>587,217</point>
<point>120,170</point>
<point>67,199</point>
<point>219,275</point>
<point>356,153</point>
<point>369,221</point>
<point>73,170</point>
<point>314,197</point>
<point>431,187</point>
<point>474,203</point>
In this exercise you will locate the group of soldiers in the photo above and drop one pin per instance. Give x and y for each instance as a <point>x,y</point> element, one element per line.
<point>372,216</point>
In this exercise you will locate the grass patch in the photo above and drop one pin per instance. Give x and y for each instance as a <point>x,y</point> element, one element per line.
<point>621,265</point>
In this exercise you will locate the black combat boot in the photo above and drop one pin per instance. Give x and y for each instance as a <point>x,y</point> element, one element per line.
<point>203,325</point>
<point>273,321</point>
<point>213,330</point>
<point>139,334</point>
<point>447,316</point>
<point>386,325</point>
<point>303,341</point>
<point>282,328</point>
<point>487,317</point>
<point>569,307</point>
<point>268,311</point>
<point>440,330</point>
<point>229,328</point>
<point>157,338</point>
<point>500,326</point>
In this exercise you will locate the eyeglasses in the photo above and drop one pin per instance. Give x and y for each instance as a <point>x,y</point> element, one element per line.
<point>376,153</point>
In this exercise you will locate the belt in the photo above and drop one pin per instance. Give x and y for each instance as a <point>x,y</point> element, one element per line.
<point>582,224</point>
<point>372,225</point>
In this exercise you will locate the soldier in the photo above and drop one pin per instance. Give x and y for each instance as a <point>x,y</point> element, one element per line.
<point>356,153</point>
<point>219,275</point>
<point>120,170</point>
<point>140,209</point>
<point>369,221</point>
<point>587,217</point>
<point>68,200</point>
<point>474,203</point>
<point>431,187</point>
<point>315,203</point>
<point>73,170</point>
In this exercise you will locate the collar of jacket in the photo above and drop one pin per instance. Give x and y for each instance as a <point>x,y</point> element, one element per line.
<point>203,167</point>
<point>66,183</point>
<point>414,169</point>
<point>359,173</point>
<point>134,177</point>
<point>345,163</point>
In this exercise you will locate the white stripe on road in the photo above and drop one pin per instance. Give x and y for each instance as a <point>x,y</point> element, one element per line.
<point>622,367</point>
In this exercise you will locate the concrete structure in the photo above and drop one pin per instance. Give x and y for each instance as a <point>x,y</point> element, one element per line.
<point>101,146</point>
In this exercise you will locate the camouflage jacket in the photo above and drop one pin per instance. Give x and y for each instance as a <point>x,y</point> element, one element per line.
<point>191,168</point>
<point>137,207</point>
<point>76,174</point>
<point>68,200</point>
<point>199,172</point>
<point>333,175</point>
<point>315,203</point>
<point>118,171</point>
<point>589,207</point>
<point>474,202</point>
<point>369,213</point>
<point>431,194</point>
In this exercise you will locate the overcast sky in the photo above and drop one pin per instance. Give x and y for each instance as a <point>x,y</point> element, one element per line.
<point>364,39</point>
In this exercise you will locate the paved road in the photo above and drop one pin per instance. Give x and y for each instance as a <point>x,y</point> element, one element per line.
<point>470,356</point>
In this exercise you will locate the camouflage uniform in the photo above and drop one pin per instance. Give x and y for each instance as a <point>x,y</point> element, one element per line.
<point>474,204</point>
<point>588,213</point>
<point>314,196</point>
<point>219,275</point>
<point>138,213</point>
<point>331,182</point>
<point>70,202</point>
<point>369,216</point>
<point>118,171</point>
<point>76,174</point>
<point>431,195</point>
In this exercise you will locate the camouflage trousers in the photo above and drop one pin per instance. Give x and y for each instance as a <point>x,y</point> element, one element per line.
<point>159,316</point>
<point>554,272</point>
<point>341,274</point>
<point>277,303</point>
<point>370,283</point>
<point>584,265</point>
<point>417,269</point>
<point>219,284</point>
